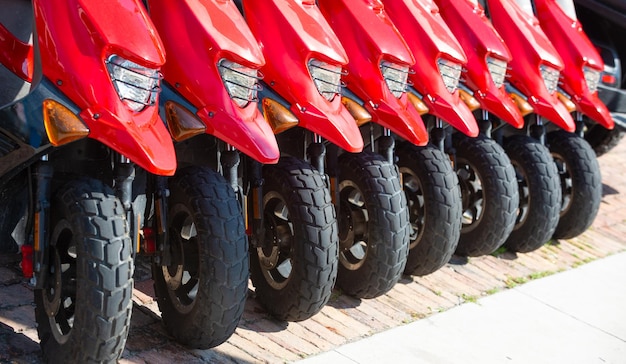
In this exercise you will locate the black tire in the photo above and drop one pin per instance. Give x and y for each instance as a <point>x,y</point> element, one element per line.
<point>601,139</point>
<point>434,199</point>
<point>489,194</point>
<point>202,293</point>
<point>295,271</point>
<point>373,225</point>
<point>581,183</point>
<point>539,193</point>
<point>83,312</point>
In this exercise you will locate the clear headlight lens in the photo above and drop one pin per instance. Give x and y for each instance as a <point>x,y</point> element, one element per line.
<point>137,86</point>
<point>396,76</point>
<point>450,73</point>
<point>242,83</point>
<point>592,77</point>
<point>550,77</point>
<point>497,69</point>
<point>327,78</point>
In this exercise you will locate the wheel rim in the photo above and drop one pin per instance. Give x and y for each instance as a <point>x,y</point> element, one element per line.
<point>182,276</point>
<point>524,194</point>
<point>565,177</point>
<point>276,255</point>
<point>59,293</point>
<point>416,201</point>
<point>472,195</point>
<point>353,234</point>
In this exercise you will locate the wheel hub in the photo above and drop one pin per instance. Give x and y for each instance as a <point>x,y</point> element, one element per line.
<point>353,222</point>
<point>472,195</point>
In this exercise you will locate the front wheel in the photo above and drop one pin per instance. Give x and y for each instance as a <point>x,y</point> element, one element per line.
<point>489,192</point>
<point>202,292</point>
<point>539,194</point>
<point>295,268</point>
<point>434,199</point>
<point>581,183</point>
<point>83,311</point>
<point>373,225</point>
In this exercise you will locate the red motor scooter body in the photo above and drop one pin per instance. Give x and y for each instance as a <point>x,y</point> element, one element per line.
<point>79,69</point>
<point>521,31</point>
<point>16,55</point>
<point>199,34</point>
<point>291,34</point>
<point>577,52</point>
<point>430,39</point>
<point>373,39</point>
<point>480,41</point>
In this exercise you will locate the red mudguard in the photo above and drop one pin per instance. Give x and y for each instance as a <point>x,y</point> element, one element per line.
<point>16,55</point>
<point>75,38</point>
<point>577,51</point>
<point>521,31</point>
<point>291,33</point>
<point>197,34</point>
<point>373,38</point>
<point>429,39</point>
<point>479,40</point>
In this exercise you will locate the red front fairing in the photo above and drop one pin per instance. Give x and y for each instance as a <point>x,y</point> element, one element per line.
<point>16,55</point>
<point>197,34</point>
<point>373,38</point>
<point>429,39</point>
<point>521,31</point>
<point>75,38</point>
<point>577,51</point>
<point>479,40</point>
<point>291,33</point>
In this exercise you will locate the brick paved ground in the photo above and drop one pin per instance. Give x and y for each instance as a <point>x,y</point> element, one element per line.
<point>262,339</point>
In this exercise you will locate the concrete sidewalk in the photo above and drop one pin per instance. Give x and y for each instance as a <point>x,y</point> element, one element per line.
<point>577,316</point>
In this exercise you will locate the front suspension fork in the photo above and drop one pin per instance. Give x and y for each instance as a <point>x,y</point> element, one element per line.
<point>41,233</point>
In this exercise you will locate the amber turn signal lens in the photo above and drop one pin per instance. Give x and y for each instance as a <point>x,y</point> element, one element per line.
<point>524,107</point>
<point>569,104</point>
<point>62,125</point>
<point>418,104</point>
<point>469,100</point>
<point>181,122</point>
<point>358,112</point>
<point>278,116</point>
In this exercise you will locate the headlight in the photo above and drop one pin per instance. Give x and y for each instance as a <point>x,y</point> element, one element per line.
<point>450,73</point>
<point>137,86</point>
<point>497,69</point>
<point>592,77</point>
<point>550,77</point>
<point>241,82</point>
<point>327,78</point>
<point>395,76</point>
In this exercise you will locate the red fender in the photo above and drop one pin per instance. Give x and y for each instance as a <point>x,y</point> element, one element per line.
<point>577,51</point>
<point>16,55</point>
<point>197,34</point>
<point>429,39</point>
<point>372,39</point>
<point>92,31</point>
<point>291,33</point>
<point>521,31</point>
<point>479,40</point>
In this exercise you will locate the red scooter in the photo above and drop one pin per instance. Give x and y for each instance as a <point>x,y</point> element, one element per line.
<point>534,78</point>
<point>209,101</point>
<point>377,80</point>
<point>486,176</point>
<point>500,118</point>
<point>77,154</point>
<point>293,265</point>
<point>579,82</point>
